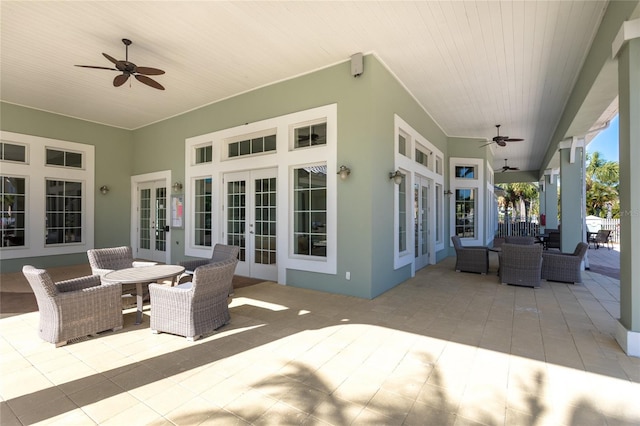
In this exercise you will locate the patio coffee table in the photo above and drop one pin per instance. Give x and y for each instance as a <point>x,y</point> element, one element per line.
<point>143,276</point>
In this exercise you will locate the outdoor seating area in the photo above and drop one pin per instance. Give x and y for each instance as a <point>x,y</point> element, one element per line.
<point>441,348</point>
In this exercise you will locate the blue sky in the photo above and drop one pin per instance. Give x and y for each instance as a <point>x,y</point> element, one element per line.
<point>606,143</point>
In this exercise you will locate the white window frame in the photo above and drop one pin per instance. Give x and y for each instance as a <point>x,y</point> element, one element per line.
<point>408,166</point>
<point>478,183</point>
<point>284,159</point>
<point>37,172</point>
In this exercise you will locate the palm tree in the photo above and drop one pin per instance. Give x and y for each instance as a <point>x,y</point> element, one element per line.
<point>602,183</point>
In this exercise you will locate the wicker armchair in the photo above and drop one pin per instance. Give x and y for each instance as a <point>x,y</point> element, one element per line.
<point>521,264</point>
<point>522,240</point>
<point>105,260</point>
<point>74,308</point>
<point>564,267</point>
<point>194,308</point>
<point>470,259</point>
<point>602,237</point>
<point>221,252</point>
<point>554,238</point>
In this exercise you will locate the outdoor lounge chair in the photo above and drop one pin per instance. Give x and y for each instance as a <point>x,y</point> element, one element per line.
<point>470,258</point>
<point>194,308</point>
<point>74,308</point>
<point>554,239</point>
<point>521,264</point>
<point>564,267</point>
<point>516,239</point>
<point>221,252</point>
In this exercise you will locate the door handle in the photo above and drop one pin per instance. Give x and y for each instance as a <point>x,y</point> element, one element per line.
<point>166,228</point>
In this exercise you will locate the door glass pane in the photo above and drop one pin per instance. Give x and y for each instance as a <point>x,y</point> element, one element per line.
<point>424,229</point>
<point>416,218</point>
<point>145,219</point>
<point>161,219</point>
<point>236,214</point>
<point>265,248</point>
<point>12,190</point>
<point>402,215</point>
<point>203,212</point>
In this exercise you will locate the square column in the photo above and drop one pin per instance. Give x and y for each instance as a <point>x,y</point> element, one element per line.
<point>572,205</point>
<point>628,55</point>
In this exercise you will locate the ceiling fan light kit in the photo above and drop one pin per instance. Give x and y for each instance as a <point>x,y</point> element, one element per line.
<point>129,69</point>
<point>506,168</point>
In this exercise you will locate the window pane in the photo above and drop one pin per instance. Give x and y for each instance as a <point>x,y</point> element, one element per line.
<point>465,213</point>
<point>203,154</point>
<point>245,147</point>
<point>302,137</point>
<point>402,145</point>
<point>12,152</point>
<point>319,134</point>
<point>402,215</point>
<point>234,149</point>
<point>73,159</point>
<point>465,172</point>
<point>257,145</point>
<point>55,157</point>
<point>270,143</point>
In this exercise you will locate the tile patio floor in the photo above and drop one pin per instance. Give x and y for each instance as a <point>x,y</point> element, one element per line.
<point>442,348</point>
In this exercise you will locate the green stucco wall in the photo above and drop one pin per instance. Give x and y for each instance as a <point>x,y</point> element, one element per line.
<point>113,162</point>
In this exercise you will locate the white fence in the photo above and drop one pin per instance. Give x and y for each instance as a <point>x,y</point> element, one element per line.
<point>528,228</point>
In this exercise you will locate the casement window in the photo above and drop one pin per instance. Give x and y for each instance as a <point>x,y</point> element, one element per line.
<point>13,193</point>
<point>63,215</point>
<point>310,211</point>
<point>202,210</point>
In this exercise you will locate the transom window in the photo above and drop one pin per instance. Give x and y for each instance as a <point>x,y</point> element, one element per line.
<point>57,157</point>
<point>402,144</point>
<point>63,212</point>
<point>12,191</point>
<point>312,135</point>
<point>13,152</point>
<point>252,146</point>
<point>422,157</point>
<point>310,211</point>
<point>465,172</point>
<point>203,154</point>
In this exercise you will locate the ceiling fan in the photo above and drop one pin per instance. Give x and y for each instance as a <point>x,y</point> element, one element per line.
<point>129,69</point>
<point>506,168</point>
<point>501,140</point>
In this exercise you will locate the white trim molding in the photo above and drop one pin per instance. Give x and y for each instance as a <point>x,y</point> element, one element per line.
<point>628,340</point>
<point>628,31</point>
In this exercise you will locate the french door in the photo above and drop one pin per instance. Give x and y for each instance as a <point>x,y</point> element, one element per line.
<point>250,221</point>
<point>152,220</point>
<point>422,231</point>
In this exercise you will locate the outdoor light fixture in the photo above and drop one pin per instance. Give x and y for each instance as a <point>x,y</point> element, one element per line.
<point>104,189</point>
<point>344,172</point>
<point>447,192</point>
<point>396,177</point>
<point>177,187</point>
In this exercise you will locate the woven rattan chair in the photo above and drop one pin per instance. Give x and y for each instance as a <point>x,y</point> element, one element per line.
<point>554,239</point>
<point>105,260</point>
<point>194,308</point>
<point>522,240</point>
<point>470,259</point>
<point>74,308</point>
<point>521,264</point>
<point>564,267</point>
<point>221,252</point>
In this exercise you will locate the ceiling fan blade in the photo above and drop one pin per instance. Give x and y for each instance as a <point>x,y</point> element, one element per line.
<point>119,64</point>
<point>98,68</point>
<point>149,71</point>
<point>120,79</point>
<point>149,82</point>
<point>513,140</point>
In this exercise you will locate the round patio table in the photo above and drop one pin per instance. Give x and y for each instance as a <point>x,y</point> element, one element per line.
<point>143,275</point>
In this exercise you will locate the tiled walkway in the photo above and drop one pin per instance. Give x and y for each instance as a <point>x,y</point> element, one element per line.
<point>442,348</point>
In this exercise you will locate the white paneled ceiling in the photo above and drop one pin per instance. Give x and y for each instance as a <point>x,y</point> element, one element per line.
<point>470,64</point>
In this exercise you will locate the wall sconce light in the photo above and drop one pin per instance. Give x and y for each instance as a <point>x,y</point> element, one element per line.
<point>344,172</point>
<point>177,187</point>
<point>447,192</point>
<point>104,189</point>
<point>396,177</point>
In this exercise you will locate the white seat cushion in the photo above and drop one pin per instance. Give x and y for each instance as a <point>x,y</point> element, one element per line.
<point>185,286</point>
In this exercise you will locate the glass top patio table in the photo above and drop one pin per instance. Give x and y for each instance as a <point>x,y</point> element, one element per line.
<point>143,276</point>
